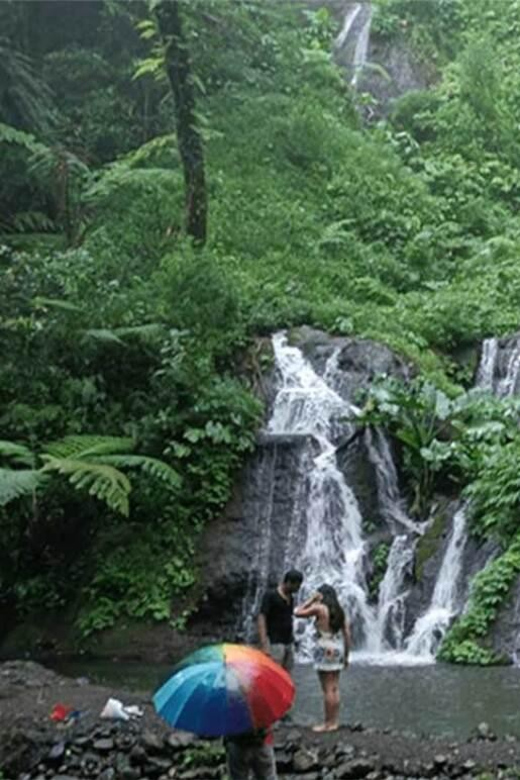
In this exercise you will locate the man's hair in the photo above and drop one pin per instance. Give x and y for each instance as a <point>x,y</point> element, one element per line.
<point>293,576</point>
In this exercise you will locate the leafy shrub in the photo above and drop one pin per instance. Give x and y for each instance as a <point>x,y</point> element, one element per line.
<point>489,589</point>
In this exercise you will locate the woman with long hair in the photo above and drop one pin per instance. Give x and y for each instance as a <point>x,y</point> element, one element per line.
<point>331,649</point>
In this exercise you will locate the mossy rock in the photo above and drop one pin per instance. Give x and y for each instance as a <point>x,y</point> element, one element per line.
<point>429,543</point>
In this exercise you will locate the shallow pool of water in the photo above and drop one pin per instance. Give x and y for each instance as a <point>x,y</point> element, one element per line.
<point>437,699</point>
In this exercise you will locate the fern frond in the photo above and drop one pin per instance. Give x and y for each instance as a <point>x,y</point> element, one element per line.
<point>11,135</point>
<point>104,335</point>
<point>79,447</point>
<point>146,332</point>
<point>15,484</point>
<point>152,466</point>
<point>102,481</point>
<point>54,303</point>
<point>18,452</point>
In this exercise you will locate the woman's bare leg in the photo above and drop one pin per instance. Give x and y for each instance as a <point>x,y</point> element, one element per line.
<point>330,687</point>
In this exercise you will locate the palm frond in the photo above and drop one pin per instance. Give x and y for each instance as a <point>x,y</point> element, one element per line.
<point>152,466</point>
<point>79,447</point>
<point>102,481</point>
<point>15,484</point>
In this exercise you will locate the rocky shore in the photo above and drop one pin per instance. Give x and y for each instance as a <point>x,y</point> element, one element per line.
<point>33,747</point>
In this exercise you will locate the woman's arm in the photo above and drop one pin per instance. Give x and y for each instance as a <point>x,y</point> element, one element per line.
<point>347,640</point>
<point>310,608</point>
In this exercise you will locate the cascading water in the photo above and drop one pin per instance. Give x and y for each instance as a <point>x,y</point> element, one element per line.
<point>324,526</point>
<point>431,627</point>
<point>486,369</point>
<point>334,548</point>
<point>391,502</point>
<point>361,50</point>
<point>351,45</point>
<point>499,370</point>
<point>392,595</point>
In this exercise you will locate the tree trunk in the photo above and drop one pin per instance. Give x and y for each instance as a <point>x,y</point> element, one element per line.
<point>188,137</point>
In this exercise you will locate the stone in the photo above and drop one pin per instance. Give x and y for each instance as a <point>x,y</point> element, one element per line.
<point>484,731</point>
<point>21,748</point>
<point>82,742</point>
<point>108,774</point>
<point>357,768</point>
<point>440,760</point>
<point>151,742</point>
<point>156,766</point>
<point>179,740</point>
<point>294,735</point>
<point>130,773</point>
<point>283,760</point>
<point>304,759</point>
<point>138,755</point>
<point>56,753</point>
<point>103,745</point>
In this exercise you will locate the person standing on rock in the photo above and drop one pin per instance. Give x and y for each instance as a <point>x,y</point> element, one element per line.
<point>275,621</point>
<point>251,753</point>
<point>331,649</point>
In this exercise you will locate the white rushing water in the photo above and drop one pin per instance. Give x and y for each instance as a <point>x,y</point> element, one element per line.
<point>431,627</point>
<point>489,373</point>
<point>361,50</point>
<point>334,549</point>
<point>325,531</point>
<point>351,45</point>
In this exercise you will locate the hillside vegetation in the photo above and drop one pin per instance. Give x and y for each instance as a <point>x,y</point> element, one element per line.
<point>131,354</point>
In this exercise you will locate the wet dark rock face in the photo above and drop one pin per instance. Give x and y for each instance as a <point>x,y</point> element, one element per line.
<point>252,536</point>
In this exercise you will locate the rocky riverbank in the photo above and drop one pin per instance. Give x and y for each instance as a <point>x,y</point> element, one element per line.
<point>33,747</point>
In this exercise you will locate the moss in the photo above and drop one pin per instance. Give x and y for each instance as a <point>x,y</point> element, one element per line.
<point>379,558</point>
<point>429,543</point>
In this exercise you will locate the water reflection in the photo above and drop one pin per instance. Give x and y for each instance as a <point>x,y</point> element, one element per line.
<point>437,699</point>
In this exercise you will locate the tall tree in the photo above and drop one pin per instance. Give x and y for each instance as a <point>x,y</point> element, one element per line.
<point>180,76</point>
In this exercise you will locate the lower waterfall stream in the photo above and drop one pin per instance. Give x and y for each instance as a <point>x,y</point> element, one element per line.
<point>327,538</point>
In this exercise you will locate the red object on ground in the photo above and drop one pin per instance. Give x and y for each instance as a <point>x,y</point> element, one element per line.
<point>60,712</point>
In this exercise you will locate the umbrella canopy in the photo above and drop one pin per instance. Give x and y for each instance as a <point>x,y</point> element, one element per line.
<point>225,689</point>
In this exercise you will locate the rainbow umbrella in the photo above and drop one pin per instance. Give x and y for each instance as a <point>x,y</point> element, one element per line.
<point>224,689</point>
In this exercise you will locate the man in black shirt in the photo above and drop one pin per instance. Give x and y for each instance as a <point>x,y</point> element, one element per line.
<point>275,621</point>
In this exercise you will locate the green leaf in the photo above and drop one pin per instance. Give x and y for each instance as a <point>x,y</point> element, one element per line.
<point>101,481</point>
<point>15,484</point>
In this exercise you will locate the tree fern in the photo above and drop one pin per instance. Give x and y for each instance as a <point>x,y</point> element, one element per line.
<point>15,484</point>
<point>17,454</point>
<point>148,332</point>
<point>152,466</point>
<point>91,463</point>
<point>79,447</point>
<point>102,481</point>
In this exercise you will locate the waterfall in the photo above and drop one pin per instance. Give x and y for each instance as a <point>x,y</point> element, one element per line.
<point>501,380</point>
<point>486,369</point>
<point>431,627</point>
<point>361,50</point>
<point>508,384</point>
<point>392,597</point>
<point>333,550</point>
<point>391,502</point>
<point>350,18</point>
<point>351,45</point>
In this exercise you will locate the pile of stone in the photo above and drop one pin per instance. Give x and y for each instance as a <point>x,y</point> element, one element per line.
<point>132,751</point>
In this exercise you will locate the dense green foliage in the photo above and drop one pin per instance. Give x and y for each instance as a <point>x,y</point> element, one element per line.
<point>465,642</point>
<point>112,324</point>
